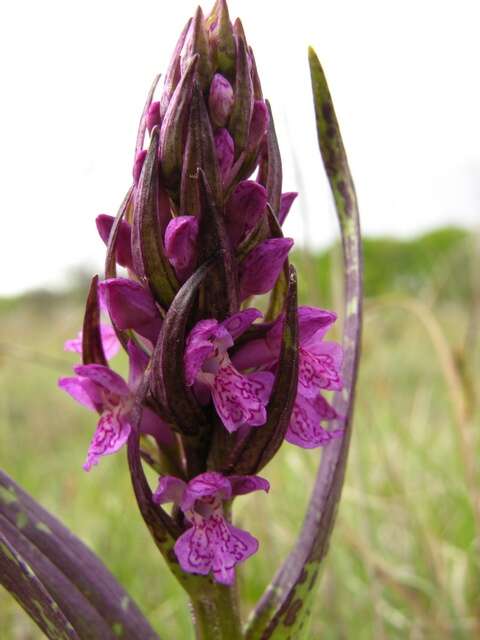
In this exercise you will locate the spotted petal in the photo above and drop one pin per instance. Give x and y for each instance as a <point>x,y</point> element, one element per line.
<point>207,485</point>
<point>239,399</point>
<point>111,434</point>
<point>319,369</point>
<point>305,429</point>
<point>213,545</point>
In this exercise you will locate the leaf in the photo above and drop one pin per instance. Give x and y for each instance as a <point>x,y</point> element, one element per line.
<point>270,173</point>
<point>173,125</point>
<point>220,296</point>
<point>111,259</point>
<point>199,153</point>
<point>142,125</point>
<point>283,610</point>
<point>147,244</point>
<point>19,579</point>
<point>168,358</point>
<point>84,590</point>
<point>92,346</point>
<point>239,123</point>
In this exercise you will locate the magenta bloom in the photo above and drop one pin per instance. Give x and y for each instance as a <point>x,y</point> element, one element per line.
<point>110,342</point>
<point>211,543</point>
<point>131,306</point>
<point>100,389</point>
<point>240,399</point>
<point>319,370</point>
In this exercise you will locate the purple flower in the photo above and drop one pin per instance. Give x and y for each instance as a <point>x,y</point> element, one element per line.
<point>123,247</point>
<point>240,399</point>
<point>225,150</point>
<point>211,543</point>
<point>319,369</point>
<point>220,100</point>
<point>181,238</point>
<point>131,306</point>
<point>244,209</point>
<point>110,342</point>
<point>100,389</point>
<point>261,268</point>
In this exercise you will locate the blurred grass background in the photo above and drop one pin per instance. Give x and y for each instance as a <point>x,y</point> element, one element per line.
<point>404,557</point>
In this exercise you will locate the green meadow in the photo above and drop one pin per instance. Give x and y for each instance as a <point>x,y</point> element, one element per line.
<point>404,560</point>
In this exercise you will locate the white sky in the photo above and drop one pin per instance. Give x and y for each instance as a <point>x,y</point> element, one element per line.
<point>74,76</point>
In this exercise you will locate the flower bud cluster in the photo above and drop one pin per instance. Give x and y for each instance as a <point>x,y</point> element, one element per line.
<point>215,385</point>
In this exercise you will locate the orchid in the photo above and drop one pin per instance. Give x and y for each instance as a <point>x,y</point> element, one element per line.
<point>215,385</point>
<point>211,544</point>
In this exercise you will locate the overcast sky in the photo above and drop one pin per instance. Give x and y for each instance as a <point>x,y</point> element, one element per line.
<point>404,76</point>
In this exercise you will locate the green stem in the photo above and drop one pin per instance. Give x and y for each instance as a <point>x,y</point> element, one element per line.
<point>215,614</point>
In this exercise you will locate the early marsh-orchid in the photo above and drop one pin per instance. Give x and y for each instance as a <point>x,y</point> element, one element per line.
<point>215,386</point>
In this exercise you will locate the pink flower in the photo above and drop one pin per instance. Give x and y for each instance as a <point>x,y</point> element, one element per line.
<point>110,342</point>
<point>211,543</point>
<point>240,399</point>
<point>319,370</point>
<point>100,389</point>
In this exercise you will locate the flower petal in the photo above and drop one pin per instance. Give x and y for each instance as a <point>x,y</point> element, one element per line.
<point>233,546</point>
<point>206,337</point>
<point>224,147</point>
<point>313,323</point>
<point>103,377</point>
<point>153,116</point>
<point>305,428</point>
<point>111,434</point>
<point>246,484</point>
<point>194,549</point>
<point>320,369</point>
<point>181,238</point>
<point>258,124</point>
<point>212,544</point>
<point>239,400</point>
<point>170,489</point>
<point>286,202</point>
<point>241,321</point>
<point>207,485</point>
<point>256,353</point>
<point>220,100</point>
<point>153,425</point>
<point>261,268</point>
<point>244,208</point>
<point>84,391</point>
<point>132,306</point>
<point>123,247</point>
<point>110,342</point>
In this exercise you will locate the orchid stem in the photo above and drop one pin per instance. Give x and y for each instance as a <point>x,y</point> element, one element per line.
<point>216,615</point>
